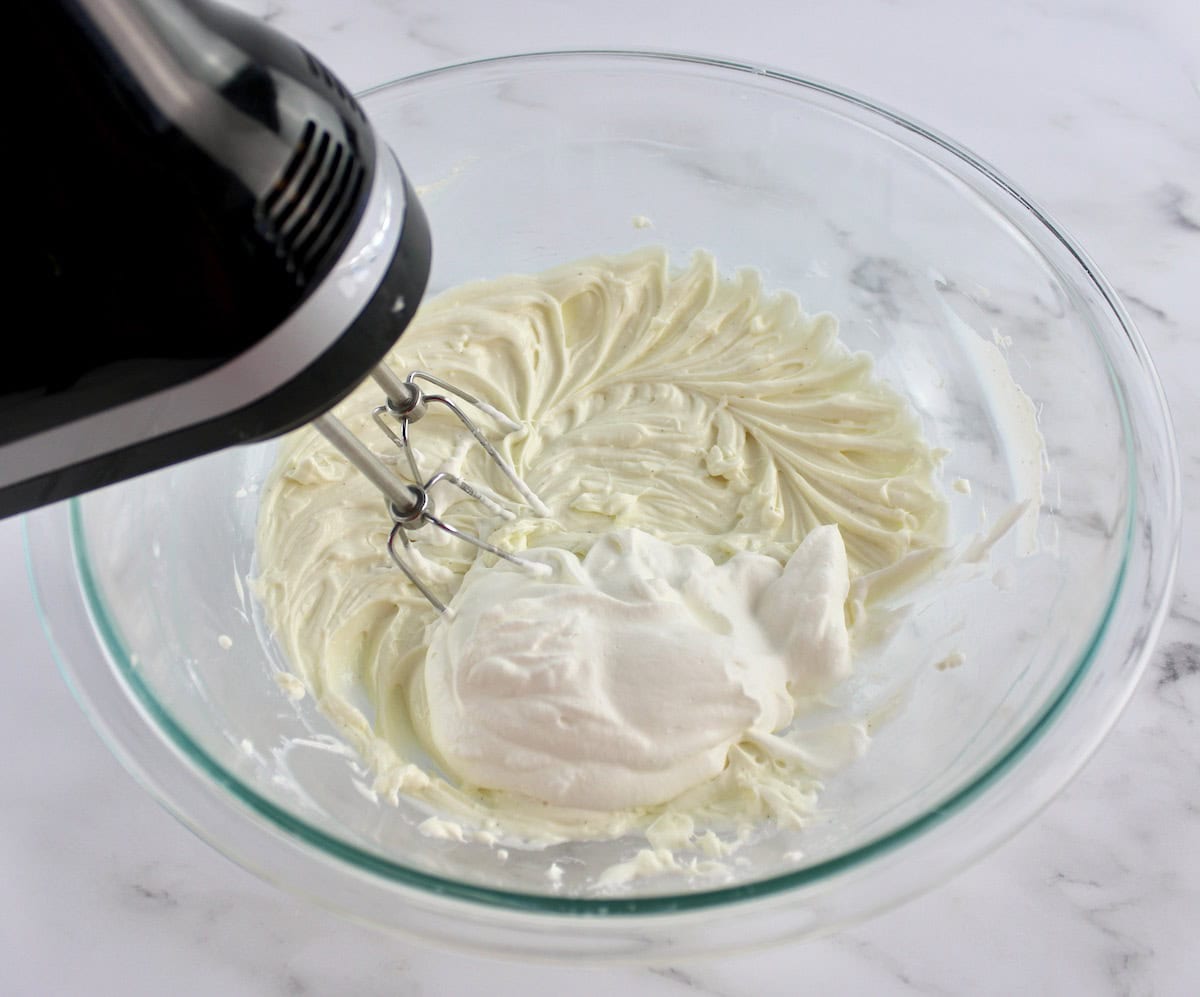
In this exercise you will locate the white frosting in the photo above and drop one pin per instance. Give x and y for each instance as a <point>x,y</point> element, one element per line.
<point>625,679</point>
<point>711,417</point>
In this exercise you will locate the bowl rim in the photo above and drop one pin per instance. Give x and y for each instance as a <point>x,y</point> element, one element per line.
<point>364,860</point>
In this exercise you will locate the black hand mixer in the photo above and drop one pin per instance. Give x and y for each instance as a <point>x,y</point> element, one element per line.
<point>216,248</point>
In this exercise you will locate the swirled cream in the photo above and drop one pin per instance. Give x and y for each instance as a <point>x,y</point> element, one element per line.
<point>716,469</point>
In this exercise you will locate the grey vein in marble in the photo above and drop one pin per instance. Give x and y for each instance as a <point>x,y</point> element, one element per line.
<point>1174,201</point>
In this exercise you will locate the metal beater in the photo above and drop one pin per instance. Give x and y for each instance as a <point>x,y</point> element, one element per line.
<point>408,502</point>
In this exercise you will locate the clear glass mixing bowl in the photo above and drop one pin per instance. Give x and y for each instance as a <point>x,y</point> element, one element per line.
<point>924,253</point>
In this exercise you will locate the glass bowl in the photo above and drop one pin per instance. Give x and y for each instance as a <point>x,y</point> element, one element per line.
<point>934,263</point>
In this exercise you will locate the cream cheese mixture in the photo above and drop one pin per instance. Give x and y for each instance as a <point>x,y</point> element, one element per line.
<point>717,471</point>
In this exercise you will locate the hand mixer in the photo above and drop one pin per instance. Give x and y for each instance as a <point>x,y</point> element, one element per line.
<point>218,248</point>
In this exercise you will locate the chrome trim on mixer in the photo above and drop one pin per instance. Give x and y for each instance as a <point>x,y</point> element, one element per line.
<point>273,361</point>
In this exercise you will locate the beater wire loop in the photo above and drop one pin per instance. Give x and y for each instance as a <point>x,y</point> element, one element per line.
<point>409,503</point>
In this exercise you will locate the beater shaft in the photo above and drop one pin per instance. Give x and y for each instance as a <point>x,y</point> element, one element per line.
<point>402,396</point>
<point>404,499</point>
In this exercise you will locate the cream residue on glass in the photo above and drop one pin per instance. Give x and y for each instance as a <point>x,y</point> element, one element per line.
<point>719,470</point>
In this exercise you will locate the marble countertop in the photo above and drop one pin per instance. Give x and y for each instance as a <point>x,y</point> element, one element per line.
<point>1094,108</point>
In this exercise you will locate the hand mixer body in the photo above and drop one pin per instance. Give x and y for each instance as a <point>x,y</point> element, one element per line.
<point>217,245</point>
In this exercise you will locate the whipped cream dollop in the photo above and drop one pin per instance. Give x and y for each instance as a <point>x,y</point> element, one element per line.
<point>624,679</point>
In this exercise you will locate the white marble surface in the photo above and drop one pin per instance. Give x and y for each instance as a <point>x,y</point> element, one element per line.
<point>1094,107</point>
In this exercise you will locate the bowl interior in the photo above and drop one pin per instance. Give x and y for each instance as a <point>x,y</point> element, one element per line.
<point>935,269</point>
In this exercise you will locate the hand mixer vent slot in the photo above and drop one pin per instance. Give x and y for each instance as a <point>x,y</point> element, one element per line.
<point>332,218</point>
<point>309,204</point>
<point>317,68</point>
